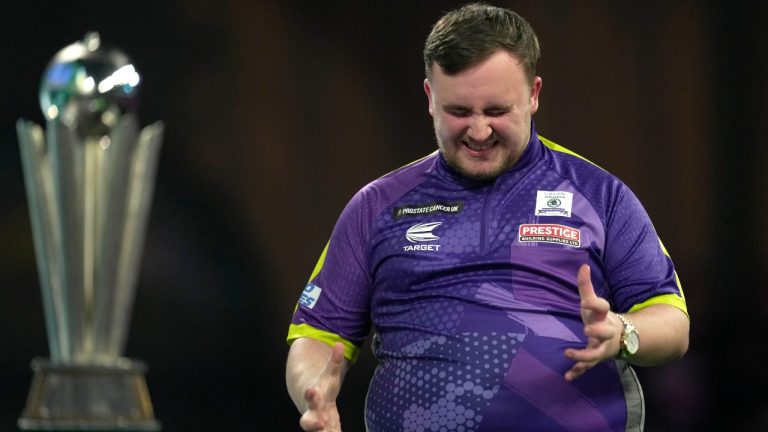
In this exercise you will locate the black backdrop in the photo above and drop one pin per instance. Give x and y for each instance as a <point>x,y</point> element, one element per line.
<point>277,111</point>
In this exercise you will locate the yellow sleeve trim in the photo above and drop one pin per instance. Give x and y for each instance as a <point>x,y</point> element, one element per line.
<point>320,262</point>
<point>677,279</point>
<point>318,267</point>
<point>667,299</point>
<point>296,331</point>
<point>557,147</point>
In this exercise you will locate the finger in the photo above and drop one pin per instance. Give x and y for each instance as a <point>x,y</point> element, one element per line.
<point>587,355</point>
<point>310,393</point>
<point>309,422</point>
<point>333,367</point>
<point>337,357</point>
<point>597,326</point>
<point>576,371</point>
<point>597,309</point>
<point>313,398</point>
<point>586,291</point>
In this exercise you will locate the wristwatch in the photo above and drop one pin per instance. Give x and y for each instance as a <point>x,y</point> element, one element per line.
<point>630,338</point>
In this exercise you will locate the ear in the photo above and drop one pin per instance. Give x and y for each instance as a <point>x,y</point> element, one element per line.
<point>535,90</point>
<point>428,91</point>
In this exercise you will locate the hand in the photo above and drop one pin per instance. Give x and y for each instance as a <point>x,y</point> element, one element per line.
<point>601,327</point>
<point>322,415</point>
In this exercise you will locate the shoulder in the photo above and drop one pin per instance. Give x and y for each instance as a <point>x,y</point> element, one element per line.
<point>594,182</point>
<point>572,164</point>
<point>386,189</point>
<point>376,196</point>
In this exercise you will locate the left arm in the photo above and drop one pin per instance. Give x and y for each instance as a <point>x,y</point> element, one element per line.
<point>663,332</point>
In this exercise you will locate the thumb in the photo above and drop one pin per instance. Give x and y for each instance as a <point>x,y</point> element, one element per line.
<point>586,291</point>
<point>337,357</point>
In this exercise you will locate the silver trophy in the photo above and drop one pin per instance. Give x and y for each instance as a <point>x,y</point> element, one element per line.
<point>89,181</point>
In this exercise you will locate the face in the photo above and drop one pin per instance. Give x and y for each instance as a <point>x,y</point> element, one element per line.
<point>482,116</point>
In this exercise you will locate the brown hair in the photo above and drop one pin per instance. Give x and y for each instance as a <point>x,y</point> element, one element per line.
<point>466,36</point>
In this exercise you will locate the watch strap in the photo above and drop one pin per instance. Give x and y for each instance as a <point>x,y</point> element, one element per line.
<point>627,328</point>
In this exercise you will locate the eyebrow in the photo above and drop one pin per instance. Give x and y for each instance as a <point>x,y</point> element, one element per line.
<point>455,107</point>
<point>494,107</point>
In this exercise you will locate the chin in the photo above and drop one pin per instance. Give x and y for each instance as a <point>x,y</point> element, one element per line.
<point>486,173</point>
<point>475,169</point>
<point>482,176</point>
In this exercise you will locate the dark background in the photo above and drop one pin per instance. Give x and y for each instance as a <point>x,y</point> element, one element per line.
<point>276,112</point>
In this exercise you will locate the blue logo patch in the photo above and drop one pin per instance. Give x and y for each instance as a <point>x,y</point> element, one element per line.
<point>310,295</point>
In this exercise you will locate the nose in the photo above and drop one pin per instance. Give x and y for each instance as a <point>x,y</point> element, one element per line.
<point>479,128</point>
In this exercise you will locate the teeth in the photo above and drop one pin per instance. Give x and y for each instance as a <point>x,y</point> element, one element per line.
<point>478,146</point>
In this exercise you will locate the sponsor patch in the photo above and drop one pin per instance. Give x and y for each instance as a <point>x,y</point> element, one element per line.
<point>425,209</point>
<point>310,295</point>
<point>550,233</point>
<point>553,203</point>
<point>420,233</point>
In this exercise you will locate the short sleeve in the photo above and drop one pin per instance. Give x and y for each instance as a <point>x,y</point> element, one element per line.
<point>637,265</point>
<point>336,301</point>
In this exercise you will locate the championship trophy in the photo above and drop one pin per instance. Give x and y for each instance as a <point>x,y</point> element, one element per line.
<point>89,181</point>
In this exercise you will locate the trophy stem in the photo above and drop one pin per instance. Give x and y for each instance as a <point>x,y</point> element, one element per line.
<point>92,184</point>
<point>45,233</point>
<point>119,156</point>
<point>68,167</point>
<point>115,316</point>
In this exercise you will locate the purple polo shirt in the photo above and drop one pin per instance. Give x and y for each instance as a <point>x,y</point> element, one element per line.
<point>470,288</point>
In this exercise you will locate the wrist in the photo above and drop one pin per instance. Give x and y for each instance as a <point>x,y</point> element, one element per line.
<point>629,339</point>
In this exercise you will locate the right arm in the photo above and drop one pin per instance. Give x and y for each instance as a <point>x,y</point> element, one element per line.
<point>314,374</point>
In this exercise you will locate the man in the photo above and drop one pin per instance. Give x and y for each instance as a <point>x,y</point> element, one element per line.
<point>510,283</point>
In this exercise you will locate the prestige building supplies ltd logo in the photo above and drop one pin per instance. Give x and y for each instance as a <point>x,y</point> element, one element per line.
<point>550,233</point>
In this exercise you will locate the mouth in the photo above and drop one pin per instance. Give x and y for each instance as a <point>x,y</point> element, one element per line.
<point>479,148</point>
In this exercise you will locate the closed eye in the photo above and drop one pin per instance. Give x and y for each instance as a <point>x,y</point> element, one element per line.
<point>496,112</point>
<point>458,111</point>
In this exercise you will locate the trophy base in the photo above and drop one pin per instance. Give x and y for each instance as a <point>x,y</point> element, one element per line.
<point>77,397</point>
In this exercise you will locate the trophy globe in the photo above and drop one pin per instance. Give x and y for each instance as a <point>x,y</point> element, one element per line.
<point>89,88</point>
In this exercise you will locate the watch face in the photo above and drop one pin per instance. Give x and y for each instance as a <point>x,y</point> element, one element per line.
<point>632,342</point>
